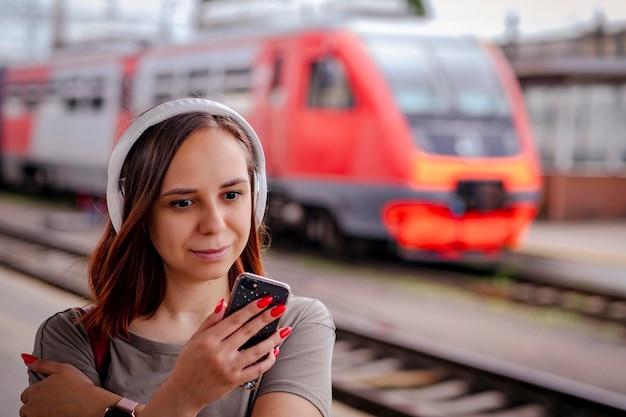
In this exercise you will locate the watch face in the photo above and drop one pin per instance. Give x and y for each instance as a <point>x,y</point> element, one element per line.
<point>113,411</point>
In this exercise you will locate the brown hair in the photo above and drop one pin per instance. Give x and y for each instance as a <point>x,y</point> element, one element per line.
<point>126,273</point>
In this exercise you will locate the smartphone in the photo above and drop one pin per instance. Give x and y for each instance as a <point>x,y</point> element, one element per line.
<point>250,287</point>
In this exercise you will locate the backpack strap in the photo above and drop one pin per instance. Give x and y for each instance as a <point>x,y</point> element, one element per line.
<point>99,346</point>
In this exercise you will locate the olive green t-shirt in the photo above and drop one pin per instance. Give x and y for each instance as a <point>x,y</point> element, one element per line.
<point>138,365</point>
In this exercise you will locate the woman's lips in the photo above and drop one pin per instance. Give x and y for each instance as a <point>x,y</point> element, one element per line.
<point>212,254</point>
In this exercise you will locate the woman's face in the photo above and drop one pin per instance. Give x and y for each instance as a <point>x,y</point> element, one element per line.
<point>200,222</point>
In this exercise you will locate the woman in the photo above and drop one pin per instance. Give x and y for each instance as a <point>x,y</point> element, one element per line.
<point>186,195</point>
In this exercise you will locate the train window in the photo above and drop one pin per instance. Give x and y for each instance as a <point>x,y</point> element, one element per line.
<point>67,89</point>
<point>474,82</point>
<point>97,93</point>
<point>237,80</point>
<point>29,94</point>
<point>237,92</point>
<point>164,84</point>
<point>413,81</point>
<point>32,95</point>
<point>14,91</point>
<point>198,83</point>
<point>437,75</point>
<point>328,86</point>
<point>79,93</point>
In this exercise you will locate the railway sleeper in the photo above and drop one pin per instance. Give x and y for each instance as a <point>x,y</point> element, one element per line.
<point>352,358</point>
<point>369,370</point>
<point>480,402</point>
<point>526,410</point>
<point>413,405</point>
<point>617,310</point>
<point>406,378</point>
<point>596,306</point>
<point>436,392</point>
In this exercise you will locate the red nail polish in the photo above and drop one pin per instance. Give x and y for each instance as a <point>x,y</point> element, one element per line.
<point>265,301</point>
<point>28,359</point>
<point>278,310</point>
<point>219,306</point>
<point>285,332</point>
<point>276,351</point>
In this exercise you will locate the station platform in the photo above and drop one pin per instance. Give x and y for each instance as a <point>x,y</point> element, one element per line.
<point>589,254</point>
<point>595,242</point>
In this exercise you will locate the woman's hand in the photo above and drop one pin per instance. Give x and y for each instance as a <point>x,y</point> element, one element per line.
<point>65,392</point>
<point>211,364</point>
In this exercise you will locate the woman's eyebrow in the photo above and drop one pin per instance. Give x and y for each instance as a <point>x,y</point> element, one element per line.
<point>234,182</point>
<point>179,191</point>
<point>182,191</point>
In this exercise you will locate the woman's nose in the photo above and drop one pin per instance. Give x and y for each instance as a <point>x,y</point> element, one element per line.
<point>211,220</point>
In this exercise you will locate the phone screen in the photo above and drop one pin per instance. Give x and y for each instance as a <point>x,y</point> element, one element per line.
<point>250,287</point>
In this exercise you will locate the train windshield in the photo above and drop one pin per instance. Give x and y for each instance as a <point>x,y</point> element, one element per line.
<point>437,75</point>
<point>449,92</point>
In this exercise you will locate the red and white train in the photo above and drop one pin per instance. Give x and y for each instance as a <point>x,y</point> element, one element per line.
<point>372,131</point>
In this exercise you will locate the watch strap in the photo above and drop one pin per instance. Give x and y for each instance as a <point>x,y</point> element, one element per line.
<point>125,405</point>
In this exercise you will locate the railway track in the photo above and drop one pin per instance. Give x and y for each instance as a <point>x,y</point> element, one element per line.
<point>600,304</point>
<point>392,375</point>
<point>504,280</point>
<point>42,254</point>
<point>375,370</point>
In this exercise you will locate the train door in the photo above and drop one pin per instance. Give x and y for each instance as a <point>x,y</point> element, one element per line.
<point>327,117</point>
<point>326,130</point>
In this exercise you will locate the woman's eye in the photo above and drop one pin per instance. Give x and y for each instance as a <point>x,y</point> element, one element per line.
<point>232,195</point>
<point>181,203</point>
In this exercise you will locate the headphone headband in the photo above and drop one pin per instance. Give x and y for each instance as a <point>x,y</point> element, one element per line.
<point>162,112</point>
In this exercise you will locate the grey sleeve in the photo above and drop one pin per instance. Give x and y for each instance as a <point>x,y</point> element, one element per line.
<point>58,339</point>
<point>304,363</point>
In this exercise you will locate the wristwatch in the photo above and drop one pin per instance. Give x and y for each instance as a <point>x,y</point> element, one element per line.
<point>123,408</point>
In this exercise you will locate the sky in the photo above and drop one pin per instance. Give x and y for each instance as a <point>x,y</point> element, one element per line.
<point>480,17</point>
<point>486,17</point>
<point>483,18</point>
<point>30,35</point>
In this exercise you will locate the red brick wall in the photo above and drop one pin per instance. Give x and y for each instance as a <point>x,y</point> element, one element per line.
<point>572,197</point>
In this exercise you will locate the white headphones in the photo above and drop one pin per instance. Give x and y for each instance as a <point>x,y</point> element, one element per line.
<point>115,194</point>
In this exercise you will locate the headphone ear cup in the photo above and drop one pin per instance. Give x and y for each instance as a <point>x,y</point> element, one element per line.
<point>260,197</point>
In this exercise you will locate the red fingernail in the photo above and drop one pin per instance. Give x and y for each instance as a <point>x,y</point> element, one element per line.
<point>265,301</point>
<point>276,351</point>
<point>278,310</point>
<point>28,359</point>
<point>285,332</point>
<point>219,306</point>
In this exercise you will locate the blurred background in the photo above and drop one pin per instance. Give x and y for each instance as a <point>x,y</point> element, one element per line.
<point>569,59</point>
<point>447,170</point>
